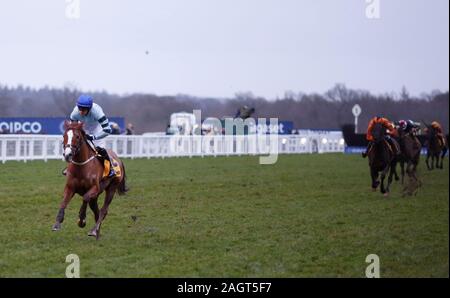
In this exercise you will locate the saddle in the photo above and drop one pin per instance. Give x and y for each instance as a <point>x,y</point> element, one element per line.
<point>102,155</point>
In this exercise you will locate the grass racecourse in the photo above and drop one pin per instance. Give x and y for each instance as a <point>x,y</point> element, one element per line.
<point>305,216</point>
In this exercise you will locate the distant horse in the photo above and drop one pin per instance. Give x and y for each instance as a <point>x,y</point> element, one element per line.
<point>85,177</point>
<point>381,159</point>
<point>435,149</point>
<point>410,155</point>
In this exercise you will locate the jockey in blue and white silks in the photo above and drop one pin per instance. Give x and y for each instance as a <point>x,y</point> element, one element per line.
<point>96,124</point>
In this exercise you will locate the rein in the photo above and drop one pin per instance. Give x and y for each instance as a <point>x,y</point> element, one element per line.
<point>91,145</point>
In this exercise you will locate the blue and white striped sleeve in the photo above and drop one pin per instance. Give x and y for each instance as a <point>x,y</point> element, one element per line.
<point>103,121</point>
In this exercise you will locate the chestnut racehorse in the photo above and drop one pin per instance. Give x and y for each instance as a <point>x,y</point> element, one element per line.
<point>410,155</point>
<point>435,149</point>
<point>85,177</point>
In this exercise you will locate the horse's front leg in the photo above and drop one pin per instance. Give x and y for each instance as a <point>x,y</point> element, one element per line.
<point>89,196</point>
<point>382,177</point>
<point>94,207</point>
<point>374,176</point>
<point>414,173</point>
<point>395,173</point>
<point>412,182</point>
<point>390,178</point>
<point>68,195</point>
<point>103,212</point>
<point>82,215</point>
<point>402,169</point>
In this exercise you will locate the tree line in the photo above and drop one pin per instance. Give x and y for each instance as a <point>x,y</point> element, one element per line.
<point>150,112</point>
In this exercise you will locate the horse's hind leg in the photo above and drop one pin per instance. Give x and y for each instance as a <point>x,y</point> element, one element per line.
<point>432,161</point>
<point>427,160</point>
<point>444,151</point>
<point>110,191</point>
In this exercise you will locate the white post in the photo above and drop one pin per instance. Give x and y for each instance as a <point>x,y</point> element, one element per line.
<point>44,149</point>
<point>3,150</point>
<point>356,110</point>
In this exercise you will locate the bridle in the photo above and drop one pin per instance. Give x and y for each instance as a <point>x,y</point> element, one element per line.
<point>75,150</point>
<point>379,135</point>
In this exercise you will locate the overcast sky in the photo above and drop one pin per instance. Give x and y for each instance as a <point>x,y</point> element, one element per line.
<point>220,47</point>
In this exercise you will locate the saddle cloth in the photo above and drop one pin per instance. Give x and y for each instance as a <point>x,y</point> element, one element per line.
<point>107,166</point>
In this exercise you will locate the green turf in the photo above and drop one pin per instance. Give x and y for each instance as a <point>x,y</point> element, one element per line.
<point>305,216</point>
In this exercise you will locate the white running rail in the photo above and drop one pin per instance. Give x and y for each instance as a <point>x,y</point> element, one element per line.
<point>45,147</point>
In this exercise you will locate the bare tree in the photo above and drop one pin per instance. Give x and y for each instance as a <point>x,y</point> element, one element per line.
<point>64,99</point>
<point>149,112</point>
<point>404,94</point>
<point>4,101</point>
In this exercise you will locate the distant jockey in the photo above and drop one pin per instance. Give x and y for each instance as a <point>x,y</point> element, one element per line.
<point>439,132</point>
<point>390,129</point>
<point>408,126</point>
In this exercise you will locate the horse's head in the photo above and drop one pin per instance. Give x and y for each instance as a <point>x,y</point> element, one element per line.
<point>74,137</point>
<point>429,130</point>
<point>378,132</point>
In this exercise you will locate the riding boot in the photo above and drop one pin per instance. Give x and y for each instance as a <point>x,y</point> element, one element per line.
<point>104,154</point>
<point>369,147</point>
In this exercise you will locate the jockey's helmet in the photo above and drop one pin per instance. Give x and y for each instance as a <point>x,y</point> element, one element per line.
<point>85,101</point>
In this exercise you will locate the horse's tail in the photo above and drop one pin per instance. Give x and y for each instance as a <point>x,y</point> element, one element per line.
<point>123,184</point>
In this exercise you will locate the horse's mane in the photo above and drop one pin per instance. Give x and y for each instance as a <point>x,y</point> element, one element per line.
<point>378,129</point>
